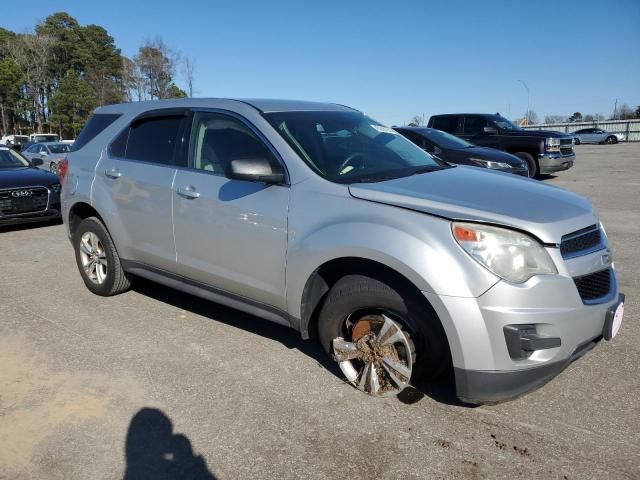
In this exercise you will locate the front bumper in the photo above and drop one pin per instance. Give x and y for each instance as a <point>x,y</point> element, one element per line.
<point>46,216</point>
<point>484,368</point>
<point>550,162</point>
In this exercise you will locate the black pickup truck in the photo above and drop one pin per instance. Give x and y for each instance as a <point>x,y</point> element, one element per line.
<point>545,151</point>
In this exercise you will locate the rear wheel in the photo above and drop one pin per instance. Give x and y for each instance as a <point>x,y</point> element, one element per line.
<point>53,167</point>
<point>531,162</point>
<point>380,338</point>
<point>98,260</point>
<point>612,139</point>
<point>576,141</point>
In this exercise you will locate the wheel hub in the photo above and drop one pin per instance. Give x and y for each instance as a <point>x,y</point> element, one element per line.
<point>378,359</point>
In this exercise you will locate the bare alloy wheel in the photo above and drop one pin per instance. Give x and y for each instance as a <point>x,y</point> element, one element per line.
<point>378,358</point>
<point>93,258</point>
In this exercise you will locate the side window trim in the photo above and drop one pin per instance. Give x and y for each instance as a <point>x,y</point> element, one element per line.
<point>259,135</point>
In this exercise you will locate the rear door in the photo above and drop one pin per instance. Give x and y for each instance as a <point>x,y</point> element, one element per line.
<point>230,234</point>
<point>137,177</point>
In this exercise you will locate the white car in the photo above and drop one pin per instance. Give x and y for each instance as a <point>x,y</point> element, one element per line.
<point>596,135</point>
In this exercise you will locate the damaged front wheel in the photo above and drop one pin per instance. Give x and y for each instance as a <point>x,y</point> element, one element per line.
<point>380,338</point>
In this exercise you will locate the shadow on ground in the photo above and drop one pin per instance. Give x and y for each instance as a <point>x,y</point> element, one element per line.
<point>5,228</point>
<point>443,391</point>
<point>153,451</point>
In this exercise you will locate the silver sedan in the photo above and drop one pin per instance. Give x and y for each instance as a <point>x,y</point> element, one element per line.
<point>596,135</point>
<point>49,152</point>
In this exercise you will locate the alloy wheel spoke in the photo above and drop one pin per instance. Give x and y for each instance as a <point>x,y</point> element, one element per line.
<point>390,333</point>
<point>85,247</point>
<point>364,377</point>
<point>394,368</point>
<point>344,351</point>
<point>374,383</point>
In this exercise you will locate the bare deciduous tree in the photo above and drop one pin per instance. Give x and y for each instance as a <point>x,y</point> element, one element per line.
<point>157,62</point>
<point>32,53</point>
<point>416,121</point>
<point>188,69</point>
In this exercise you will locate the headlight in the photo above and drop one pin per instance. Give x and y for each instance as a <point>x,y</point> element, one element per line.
<point>511,255</point>
<point>490,163</point>
<point>552,144</point>
<point>55,188</point>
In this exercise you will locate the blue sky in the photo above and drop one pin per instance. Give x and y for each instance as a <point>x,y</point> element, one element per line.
<point>394,59</point>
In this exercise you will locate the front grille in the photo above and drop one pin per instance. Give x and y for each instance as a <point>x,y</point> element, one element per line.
<point>566,146</point>
<point>580,241</point>
<point>566,151</point>
<point>594,285</point>
<point>35,202</point>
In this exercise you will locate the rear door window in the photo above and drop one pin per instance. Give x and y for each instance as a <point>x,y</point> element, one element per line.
<point>447,124</point>
<point>152,139</point>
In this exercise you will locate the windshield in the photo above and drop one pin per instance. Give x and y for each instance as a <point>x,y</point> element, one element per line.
<point>503,123</point>
<point>12,159</point>
<point>346,147</point>
<point>59,148</point>
<point>444,139</point>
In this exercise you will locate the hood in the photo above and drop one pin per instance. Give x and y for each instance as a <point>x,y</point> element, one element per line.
<point>486,153</point>
<point>477,194</point>
<point>26,177</point>
<point>535,133</point>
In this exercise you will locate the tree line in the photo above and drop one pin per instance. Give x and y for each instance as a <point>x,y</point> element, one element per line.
<point>52,79</point>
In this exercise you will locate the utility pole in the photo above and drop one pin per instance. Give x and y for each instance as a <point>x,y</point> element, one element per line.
<point>528,97</point>
<point>615,110</point>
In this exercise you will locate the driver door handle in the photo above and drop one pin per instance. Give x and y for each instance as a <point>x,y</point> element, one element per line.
<point>113,173</point>
<point>187,192</point>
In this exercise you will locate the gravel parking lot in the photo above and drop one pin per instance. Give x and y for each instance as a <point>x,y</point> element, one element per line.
<point>159,384</point>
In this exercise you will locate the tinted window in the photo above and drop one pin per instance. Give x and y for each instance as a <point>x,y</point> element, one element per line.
<point>12,159</point>
<point>474,125</point>
<point>218,139</point>
<point>447,124</point>
<point>154,139</point>
<point>96,124</point>
<point>414,137</point>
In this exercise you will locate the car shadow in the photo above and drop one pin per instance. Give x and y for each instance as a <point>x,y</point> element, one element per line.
<point>546,176</point>
<point>442,391</point>
<point>17,227</point>
<point>153,450</point>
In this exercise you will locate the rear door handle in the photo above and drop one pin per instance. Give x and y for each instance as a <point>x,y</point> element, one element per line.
<point>188,192</point>
<point>113,173</point>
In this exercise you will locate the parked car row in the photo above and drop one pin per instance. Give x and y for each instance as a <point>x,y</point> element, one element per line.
<point>21,142</point>
<point>317,217</point>
<point>49,152</point>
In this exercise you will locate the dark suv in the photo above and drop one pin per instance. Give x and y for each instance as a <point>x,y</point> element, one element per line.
<point>545,151</point>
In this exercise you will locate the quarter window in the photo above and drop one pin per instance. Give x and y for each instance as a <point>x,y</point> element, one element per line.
<point>446,124</point>
<point>217,139</point>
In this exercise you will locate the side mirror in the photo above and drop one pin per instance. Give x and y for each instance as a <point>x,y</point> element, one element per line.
<point>36,162</point>
<point>254,169</point>
<point>490,130</point>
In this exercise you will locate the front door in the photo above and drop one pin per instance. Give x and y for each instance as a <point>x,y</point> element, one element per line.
<point>230,234</point>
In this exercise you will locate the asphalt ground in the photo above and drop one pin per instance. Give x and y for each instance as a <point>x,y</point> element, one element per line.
<point>159,384</point>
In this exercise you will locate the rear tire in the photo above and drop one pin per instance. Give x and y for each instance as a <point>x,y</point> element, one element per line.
<point>355,297</point>
<point>98,260</point>
<point>576,141</point>
<point>533,165</point>
<point>53,168</point>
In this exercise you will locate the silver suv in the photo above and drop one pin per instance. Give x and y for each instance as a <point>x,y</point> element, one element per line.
<point>317,217</point>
